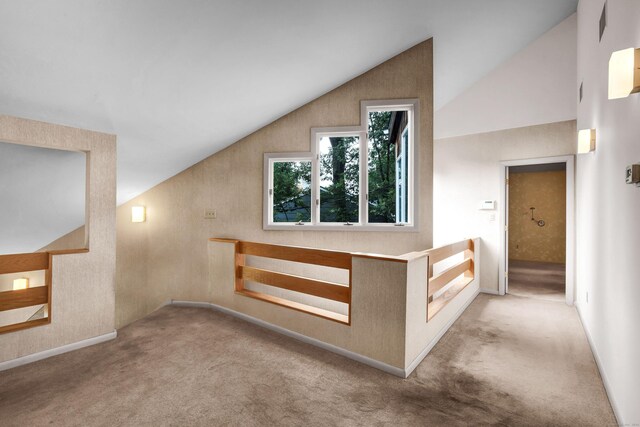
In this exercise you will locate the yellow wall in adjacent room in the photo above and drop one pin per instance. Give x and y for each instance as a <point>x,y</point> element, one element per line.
<point>546,191</point>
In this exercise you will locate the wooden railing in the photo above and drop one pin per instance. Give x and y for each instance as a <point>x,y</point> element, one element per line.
<point>33,296</point>
<point>443,287</point>
<point>319,288</point>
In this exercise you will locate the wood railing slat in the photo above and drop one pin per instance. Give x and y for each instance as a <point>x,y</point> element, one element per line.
<point>10,300</point>
<point>326,314</point>
<point>439,303</point>
<point>24,325</point>
<point>446,278</point>
<point>17,263</point>
<point>318,288</point>
<point>292,253</point>
<point>441,280</point>
<point>438,254</point>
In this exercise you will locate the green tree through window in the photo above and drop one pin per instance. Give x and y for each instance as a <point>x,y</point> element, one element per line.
<point>339,179</point>
<point>382,169</point>
<point>292,191</point>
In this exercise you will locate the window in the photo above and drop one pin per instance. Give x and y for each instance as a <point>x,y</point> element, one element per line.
<point>388,145</point>
<point>339,165</point>
<point>362,176</point>
<point>290,190</point>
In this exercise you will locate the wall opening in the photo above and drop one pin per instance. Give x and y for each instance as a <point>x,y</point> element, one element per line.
<point>537,231</point>
<point>540,237</point>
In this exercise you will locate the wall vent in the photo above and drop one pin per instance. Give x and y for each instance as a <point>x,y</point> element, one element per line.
<point>581,83</point>
<point>603,20</point>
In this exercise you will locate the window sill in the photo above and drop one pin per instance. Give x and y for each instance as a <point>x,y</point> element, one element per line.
<point>341,227</point>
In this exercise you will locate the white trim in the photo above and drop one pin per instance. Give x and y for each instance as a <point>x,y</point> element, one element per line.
<point>596,357</point>
<point>316,135</point>
<point>490,292</point>
<point>399,372</point>
<point>30,358</point>
<point>269,159</point>
<point>570,220</point>
<point>412,106</point>
<point>413,365</point>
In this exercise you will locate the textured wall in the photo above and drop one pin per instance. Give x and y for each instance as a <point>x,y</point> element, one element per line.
<point>467,171</point>
<point>378,306</point>
<point>84,283</point>
<point>546,191</point>
<point>388,310</point>
<point>73,240</point>
<point>166,257</point>
<point>607,227</point>
<point>420,333</point>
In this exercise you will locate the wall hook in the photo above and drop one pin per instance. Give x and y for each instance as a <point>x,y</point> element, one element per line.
<point>540,222</point>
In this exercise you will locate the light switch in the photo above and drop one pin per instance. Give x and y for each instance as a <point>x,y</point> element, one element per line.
<point>487,205</point>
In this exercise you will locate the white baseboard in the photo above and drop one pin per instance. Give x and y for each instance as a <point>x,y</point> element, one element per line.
<point>413,365</point>
<point>30,358</point>
<point>490,291</point>
<point>399,372</point>
<point>605,381</point>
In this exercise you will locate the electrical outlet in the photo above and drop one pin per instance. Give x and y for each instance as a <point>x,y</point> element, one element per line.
<point>210,214</point>
<point>586,295</point>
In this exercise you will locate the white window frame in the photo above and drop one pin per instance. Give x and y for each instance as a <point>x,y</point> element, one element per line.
<point>269,160</point>
<point>401,175</point>
<point>409,105</point>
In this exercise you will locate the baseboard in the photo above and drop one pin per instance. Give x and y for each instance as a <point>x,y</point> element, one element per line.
<point>596,357</point>
<point>490,292</point>
<point>399,372</point>
<point>30,358</point>
<point>413,365</point>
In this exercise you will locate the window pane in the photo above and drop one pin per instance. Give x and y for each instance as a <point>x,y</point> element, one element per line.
<point>388,166</point>
<point>292,191</point>
<point>339,178</point>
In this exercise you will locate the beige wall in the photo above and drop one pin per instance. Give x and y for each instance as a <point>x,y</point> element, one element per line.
<point>83,300</point>
<point>546,191</point>
<point>388,307</point>
<point>75,239</point>
<point>166,257</point>
<point>467,171</point>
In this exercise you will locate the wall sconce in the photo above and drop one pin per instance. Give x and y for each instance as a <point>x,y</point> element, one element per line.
<point>624,73</point>
<point>22,283</point>
<point>586,141</point>
<point>138,214</point>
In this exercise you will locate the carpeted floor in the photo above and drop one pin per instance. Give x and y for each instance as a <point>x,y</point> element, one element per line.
<point>543,280</point>
<point>507,361</point>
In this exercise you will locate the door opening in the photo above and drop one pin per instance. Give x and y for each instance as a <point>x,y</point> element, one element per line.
<point>537,246</point>
<point>536,232</point>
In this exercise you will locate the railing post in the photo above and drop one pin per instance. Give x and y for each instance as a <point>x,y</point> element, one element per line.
<point>240,262</point>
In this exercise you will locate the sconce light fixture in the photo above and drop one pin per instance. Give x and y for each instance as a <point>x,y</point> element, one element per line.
<point>624,73</point>
<point>22,283</point>
<point>586,141</point>
<point>138,214</point>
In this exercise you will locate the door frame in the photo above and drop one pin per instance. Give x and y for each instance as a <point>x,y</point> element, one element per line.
<point>570,236</point>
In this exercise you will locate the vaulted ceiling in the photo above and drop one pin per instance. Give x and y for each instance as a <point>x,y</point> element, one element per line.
<point>180,80</point>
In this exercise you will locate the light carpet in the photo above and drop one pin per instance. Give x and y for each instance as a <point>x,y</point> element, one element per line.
<point>506,361</point>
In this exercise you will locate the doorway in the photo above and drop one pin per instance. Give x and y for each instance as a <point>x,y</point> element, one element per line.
<point>537,250</point>
<point>537,231</point>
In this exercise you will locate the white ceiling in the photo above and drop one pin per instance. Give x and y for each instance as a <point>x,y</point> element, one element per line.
<point>180,80</point>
